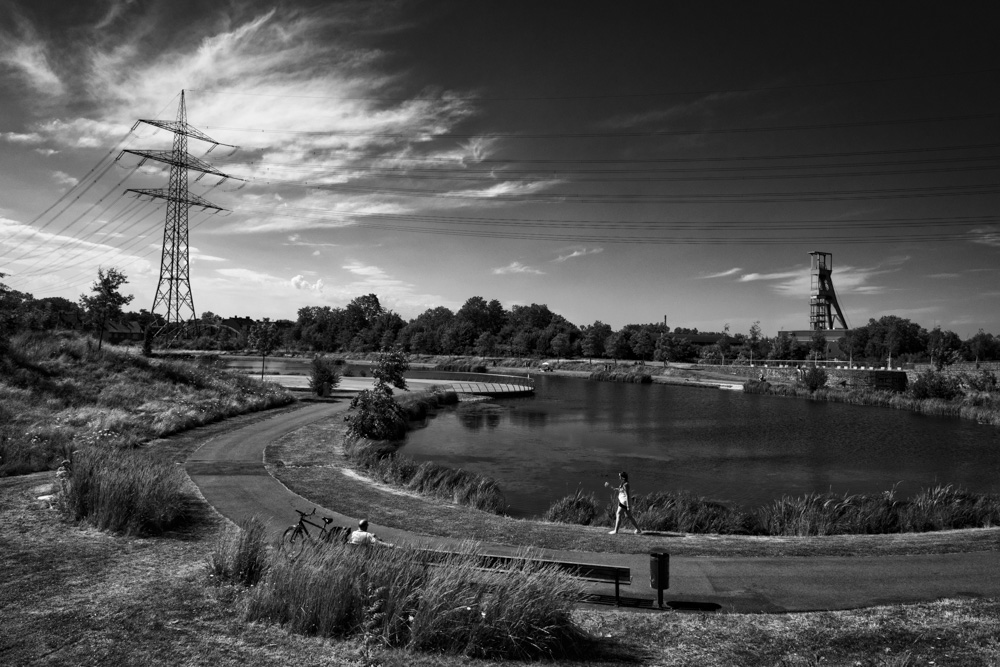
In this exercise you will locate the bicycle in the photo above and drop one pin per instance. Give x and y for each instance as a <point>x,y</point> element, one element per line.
<point>294,539</point>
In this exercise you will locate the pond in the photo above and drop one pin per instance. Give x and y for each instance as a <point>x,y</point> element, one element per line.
<point>724,445</point>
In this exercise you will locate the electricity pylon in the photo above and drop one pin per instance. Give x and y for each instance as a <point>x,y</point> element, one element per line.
<point>174,287</point>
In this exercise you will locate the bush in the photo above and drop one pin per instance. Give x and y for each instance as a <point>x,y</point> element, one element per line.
<point>578,509</point>
<point>934,384</point>
<point>390,597</point>
<point>325,374</point>
<point>376,416</point>
<point>126,492</point>
<point>984,380</point>
<point>812,378</point>
<point>240,555</point>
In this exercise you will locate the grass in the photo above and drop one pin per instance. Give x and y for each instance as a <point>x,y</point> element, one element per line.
<point>381,460</point>
<point>126,492</point>
<point>311,462</point>
<point>240,556</point>
<point>74,596</point>
<point>58,394</point>
<point>632,376</point>
<point>940,508</point>
<point>393,598</point>
<point>981,406</point>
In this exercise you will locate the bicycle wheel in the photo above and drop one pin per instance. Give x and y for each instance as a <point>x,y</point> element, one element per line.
<point>292,542</point>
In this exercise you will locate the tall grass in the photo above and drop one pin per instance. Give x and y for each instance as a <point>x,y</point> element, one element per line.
<point>384,463</point>
<point>631,376</point>
<point>240,555</point>
<point>580,509</point>
<point>395,598</point>
<point>57,394</point>
<point>939,508</point>
<point>981,406</point>
<point>126,492</point>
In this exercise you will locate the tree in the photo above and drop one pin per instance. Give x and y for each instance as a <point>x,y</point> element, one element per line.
<point>617,345</point>
<point>376,414</point>
<point>817,344</point>
<point>264,338</point>
<point>107,301</point>
<point>943,347</point>
<point>723,343</point>
<point>324,375</point>
<point>560,344</point>
<point>643,344</point>
<point>594,336</point>
<point>389,369</point>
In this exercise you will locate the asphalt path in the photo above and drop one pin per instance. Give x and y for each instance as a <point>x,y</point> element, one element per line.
<point>229,470</point>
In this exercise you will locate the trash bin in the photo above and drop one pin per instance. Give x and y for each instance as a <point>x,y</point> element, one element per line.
<point>659,574</point>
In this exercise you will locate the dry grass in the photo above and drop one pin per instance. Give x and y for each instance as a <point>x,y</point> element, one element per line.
<point>58,394</point>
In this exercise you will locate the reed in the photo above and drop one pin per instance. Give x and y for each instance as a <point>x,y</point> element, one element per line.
<point>579,508</point>
<point>633,377</point>
<point>240,555</point>
<point>938,508</point>
<point>396,598</point>
<point>126,492</point>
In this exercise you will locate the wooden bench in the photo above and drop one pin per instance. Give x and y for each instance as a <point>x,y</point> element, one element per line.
<point>605,574</point>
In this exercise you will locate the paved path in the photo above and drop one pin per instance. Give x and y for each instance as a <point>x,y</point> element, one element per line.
<point>229,470</point>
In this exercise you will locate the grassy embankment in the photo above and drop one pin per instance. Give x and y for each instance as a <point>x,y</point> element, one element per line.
<point>73,595</point>
<point>381,460</point>
<point>980,406</point>
<point>59,394</point>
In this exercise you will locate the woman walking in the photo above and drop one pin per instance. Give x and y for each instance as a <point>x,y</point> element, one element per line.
<point>624,504</point>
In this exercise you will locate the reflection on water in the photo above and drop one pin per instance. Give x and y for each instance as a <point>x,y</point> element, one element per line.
<point>724,445</point>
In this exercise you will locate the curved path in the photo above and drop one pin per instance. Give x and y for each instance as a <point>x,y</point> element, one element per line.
<point>229,471</point>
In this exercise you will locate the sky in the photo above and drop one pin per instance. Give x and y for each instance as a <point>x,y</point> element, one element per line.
<point>625,162</point>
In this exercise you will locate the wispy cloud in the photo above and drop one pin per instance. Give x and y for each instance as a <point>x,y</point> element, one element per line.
<point>856,280</point>
<point>572,253</point>
<point>64,179</point>
<point>986,236</point>
<point>27,55</point>
<point>516,267</point>
<point>723,274</point>
<point>702,107</point>
<point>944,276</point>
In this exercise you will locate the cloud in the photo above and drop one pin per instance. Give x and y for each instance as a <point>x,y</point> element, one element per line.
<point>846,279</point>
<point>986,236</point>
<point>62,178</point>
<point>944,276</point>
<point>578,252</point>
<point>722,274</point>
<point>22,138</point>
<point>700,108</point>
<point>27,55</point>
<point>299,282</point>
<point>516,267</point>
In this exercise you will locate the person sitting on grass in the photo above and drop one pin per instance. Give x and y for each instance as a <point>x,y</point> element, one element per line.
<point>362,536</point>
<point>624,500</point>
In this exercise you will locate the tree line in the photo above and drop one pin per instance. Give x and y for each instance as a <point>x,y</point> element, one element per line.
<point>487,329</point>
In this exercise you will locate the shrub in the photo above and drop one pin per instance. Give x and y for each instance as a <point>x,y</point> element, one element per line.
<point>325,374</point>
<point>812,378</point>
<point>633,377</point>
<point>984,380</point>
<point>933,384</point>
<point>578,509</point>
<point>126,492</point>
<point>393,598</point>
<point>240,555</point>
<point>377,416</point>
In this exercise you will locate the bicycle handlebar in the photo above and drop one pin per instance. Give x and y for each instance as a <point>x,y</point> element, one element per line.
<point>305,514</point>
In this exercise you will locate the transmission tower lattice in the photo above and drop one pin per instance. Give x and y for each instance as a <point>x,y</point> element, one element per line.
<point>173,291</point>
